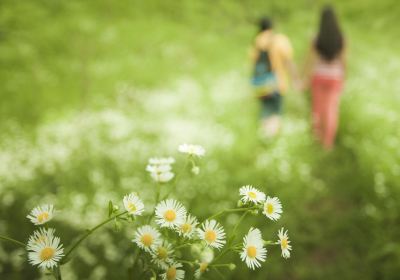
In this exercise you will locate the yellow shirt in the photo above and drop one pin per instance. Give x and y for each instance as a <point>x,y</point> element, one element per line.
<point>280,52</point>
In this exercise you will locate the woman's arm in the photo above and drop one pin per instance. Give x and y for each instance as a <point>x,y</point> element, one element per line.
<point>308,67</point>
<point>253,54</point>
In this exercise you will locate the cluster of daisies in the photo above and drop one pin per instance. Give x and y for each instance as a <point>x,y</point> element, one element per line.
<point>253,245</point>
<point>44,248</point>
<point>170,227</point>
<point>171,215</point>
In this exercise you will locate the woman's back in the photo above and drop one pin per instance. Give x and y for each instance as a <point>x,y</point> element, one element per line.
<point>333,69</point>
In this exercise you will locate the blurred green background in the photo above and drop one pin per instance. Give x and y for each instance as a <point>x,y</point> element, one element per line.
<point>91,89</point>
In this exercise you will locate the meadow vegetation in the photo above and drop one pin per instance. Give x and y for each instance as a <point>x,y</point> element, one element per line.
<point>91,90</point>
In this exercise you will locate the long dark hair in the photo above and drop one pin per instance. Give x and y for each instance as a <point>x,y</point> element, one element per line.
<point>329,41</point>
<point>265,23</point>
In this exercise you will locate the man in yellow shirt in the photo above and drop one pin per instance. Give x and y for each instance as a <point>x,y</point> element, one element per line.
<point>272,55</point>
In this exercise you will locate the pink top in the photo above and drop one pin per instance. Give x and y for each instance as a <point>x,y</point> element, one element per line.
<point>329,69</point>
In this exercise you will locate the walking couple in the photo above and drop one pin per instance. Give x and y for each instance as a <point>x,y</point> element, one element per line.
<point>272,55</point>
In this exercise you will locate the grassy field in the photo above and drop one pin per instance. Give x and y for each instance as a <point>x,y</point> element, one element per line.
<point>90,91</point>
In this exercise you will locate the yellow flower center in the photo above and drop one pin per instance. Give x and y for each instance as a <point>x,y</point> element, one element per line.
<point>186,228</point>
<point>210,236</point>
<point>147,239</point>
<point>284,243</point>
<point>46,254</point>
<point>251,252</point>
<point>171,273</point>
<point>43,217</point>
<point>203,267</point>
<point>269,208</point>
<point>162,253</point>
<point>252,195</point>
<point>131,207</point>
<point>170,215</point>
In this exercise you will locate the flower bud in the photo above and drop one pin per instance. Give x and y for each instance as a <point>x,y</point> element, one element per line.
<point>196,170</point>
<point>232,266</point>
<point>254,212</point>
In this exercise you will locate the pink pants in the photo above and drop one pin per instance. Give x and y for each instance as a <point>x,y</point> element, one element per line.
<point>325,107</point>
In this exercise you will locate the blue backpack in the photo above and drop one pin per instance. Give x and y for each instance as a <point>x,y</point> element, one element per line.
<point>264,79</point>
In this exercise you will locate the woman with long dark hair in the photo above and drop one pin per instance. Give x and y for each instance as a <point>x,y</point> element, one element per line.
<point>326,68</point>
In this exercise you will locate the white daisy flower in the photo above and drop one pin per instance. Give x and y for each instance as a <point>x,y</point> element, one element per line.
<point>162,254</point>
<point>173,272</point>
<point>41,214</point>
<point>272,208</point>
<point>162,177</point>
<point>158,168</point>
<point>192,150</point>
<point>133,204</point>
<point>161,161</point>
<point>44,249</point>
<point>170,213</point>
<point>212,233</point>
<point>188,227</point>
<point>251,194</point>
<point>253,251</point>
<point>41,235</point>
<point>284,242</point>
<point>203,267</point>
<point>160,173</point>
<point>146,237</point>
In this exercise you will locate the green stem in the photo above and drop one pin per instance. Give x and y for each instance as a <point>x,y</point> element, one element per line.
<point>182,245</point>
<point>135,257</point>
<point>182,170</point>
<point>57,273</point>
<point>230,211</point>
<point>188,262</point>
<point>239,222</point>
<point>12,240</point>
<point>269,242</point>
<point>157,198</point>
<point>221,265</point>
<point>89,232</point>
<point>221,255</point>
<point>220,275</point>
<point>154,274</point>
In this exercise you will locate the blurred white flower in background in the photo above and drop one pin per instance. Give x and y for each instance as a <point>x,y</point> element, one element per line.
<point>284,242</point>
<point>45,250</point>
<point>192,150</point>
<point>133,204</point>
<point>206,257</point>
<point>41,214</point>
<point>203,267</point>
<point>160,169</point>
<point>161,161</point>
<point>253,251</point>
